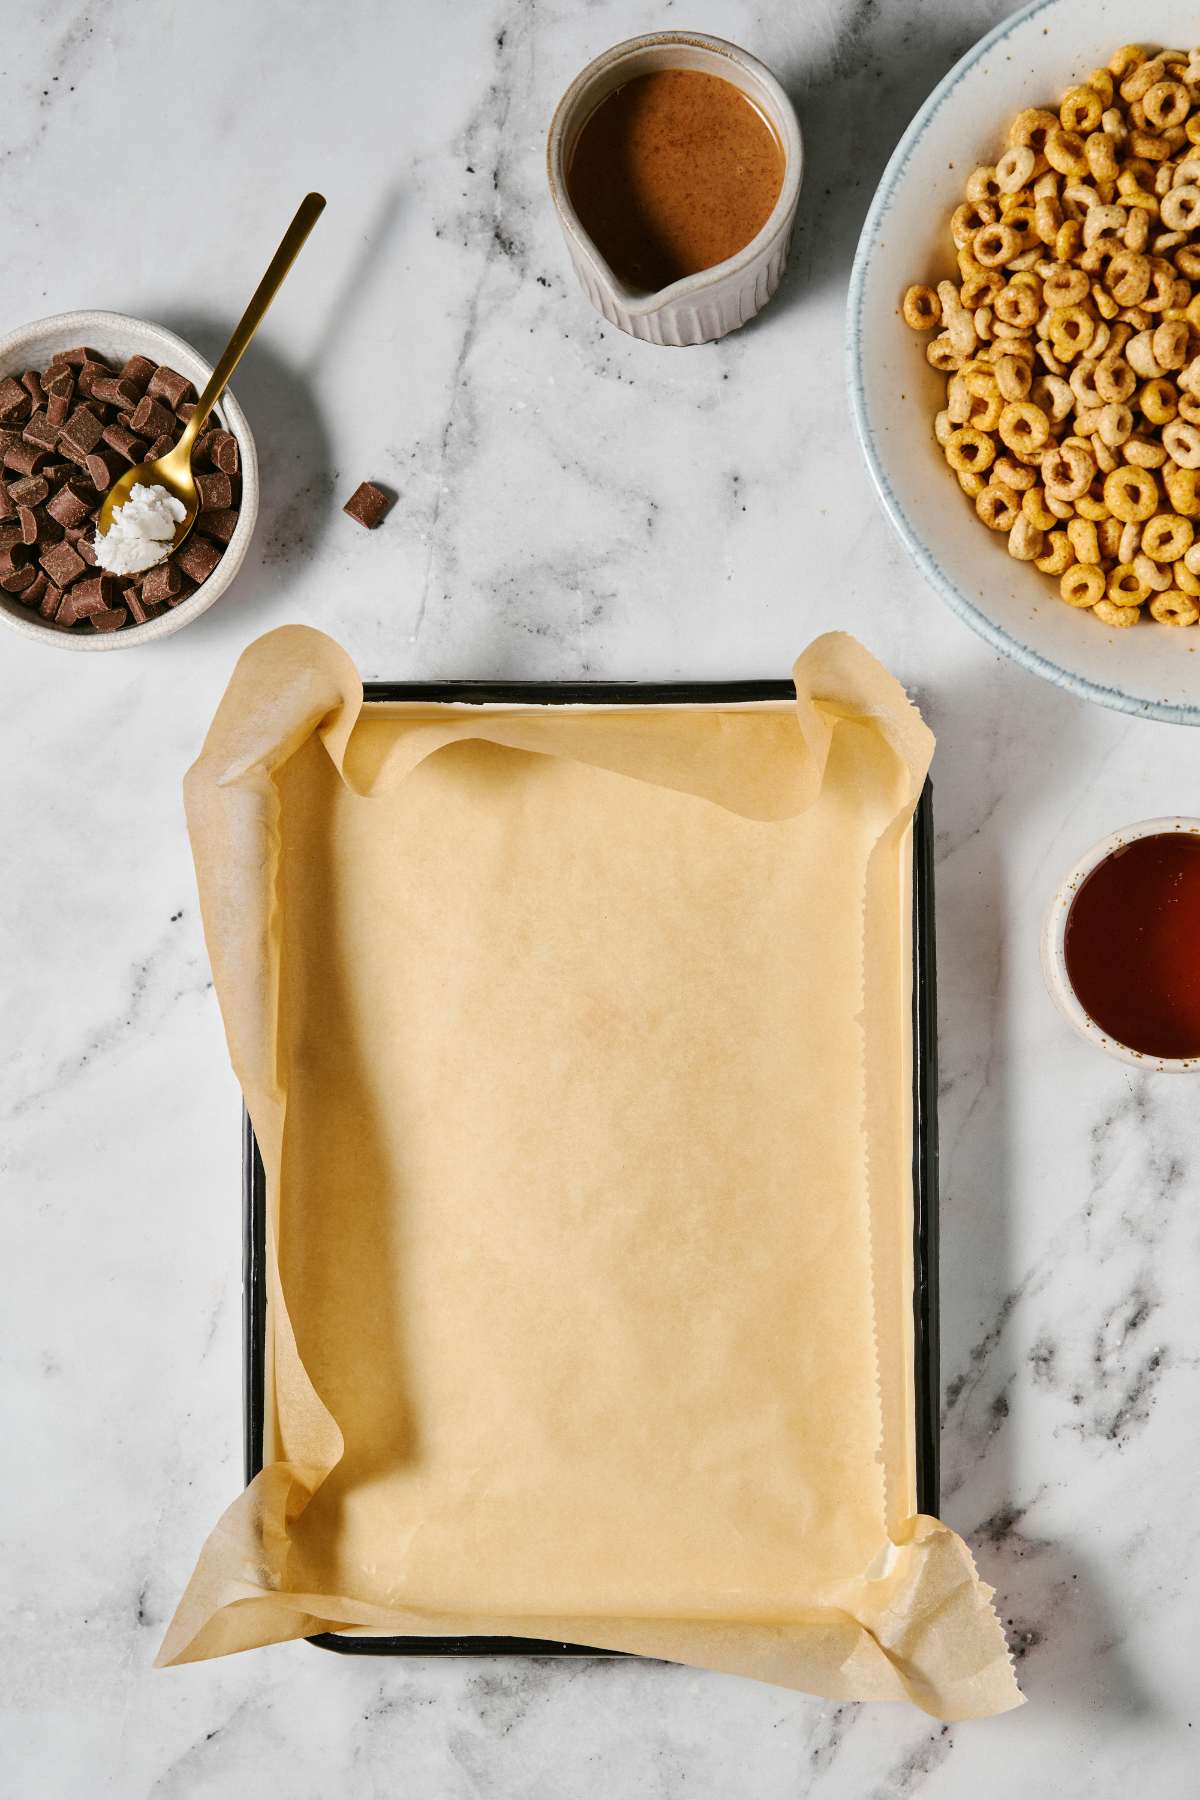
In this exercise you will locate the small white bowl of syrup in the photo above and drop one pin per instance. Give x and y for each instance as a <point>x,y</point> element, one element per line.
<point>674,161</point>
<point>1121,945</point>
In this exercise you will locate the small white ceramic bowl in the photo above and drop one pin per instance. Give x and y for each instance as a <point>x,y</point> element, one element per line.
<point>715,301</point>
<point>117,337</point>
<point>1028,60</point>
<point>1054,938</point>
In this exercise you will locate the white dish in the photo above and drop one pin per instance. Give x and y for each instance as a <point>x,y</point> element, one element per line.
<point>1027,61</point>
<point>715,301</point>
<point>1054,954</point>
<point>117,337</point>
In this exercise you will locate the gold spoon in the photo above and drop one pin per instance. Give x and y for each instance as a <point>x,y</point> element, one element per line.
<point>174,470</point>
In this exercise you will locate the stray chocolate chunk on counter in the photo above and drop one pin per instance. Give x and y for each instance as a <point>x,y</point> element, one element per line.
<point>368,504</point>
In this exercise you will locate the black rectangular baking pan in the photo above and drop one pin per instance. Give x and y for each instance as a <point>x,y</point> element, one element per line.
<point>925,1140</point>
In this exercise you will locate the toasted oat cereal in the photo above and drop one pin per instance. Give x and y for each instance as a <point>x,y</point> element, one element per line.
<point>1070,340</point>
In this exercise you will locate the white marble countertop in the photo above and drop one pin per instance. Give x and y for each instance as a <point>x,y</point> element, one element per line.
<point>571,502</point>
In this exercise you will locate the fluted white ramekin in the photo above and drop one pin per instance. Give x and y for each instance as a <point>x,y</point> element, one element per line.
<point>714,301</point>
<point>1054,949</point>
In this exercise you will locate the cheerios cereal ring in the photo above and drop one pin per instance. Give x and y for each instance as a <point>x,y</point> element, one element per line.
<point>1032,126</point>
<point>1017,304</point>
<point>970,449</point>
<point>1023,426</point>
<point>1058,556</point>
<point>1126,587</point>
<point>1085,540</point>
<point>1025,540</point>
<point>1166,104</point>
<point>998,506</point>
<point>1183,578</point>
<point>1082,584</point>
<point>1067,470</point>
<point>994,245</point>
<point>1071,330</point>
<point>1064,151</point>
<point>1014,377</point>
<point>1081,109</point>
<point>1122,617</point>
<point>1165,537</point>
<point>1130,493</point>
<point>1065,285</point>
<point>1014,168</point>
<point>1127,276</point>
<point>1182,443</point>
<point>1174,608</point>
<point>1114,422</point>
<point>1169,343</point>
<point>1033,505</point>
<point>922,309</point>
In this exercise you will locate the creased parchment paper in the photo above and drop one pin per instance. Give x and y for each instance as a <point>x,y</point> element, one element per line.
<point>577,1045</point>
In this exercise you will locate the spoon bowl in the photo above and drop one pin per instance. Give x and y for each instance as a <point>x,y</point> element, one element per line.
<point>173,472</point>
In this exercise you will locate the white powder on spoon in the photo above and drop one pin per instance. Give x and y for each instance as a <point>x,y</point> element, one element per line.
<point>142,531</point>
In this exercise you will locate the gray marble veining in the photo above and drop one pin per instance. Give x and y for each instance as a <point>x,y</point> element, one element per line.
<point>571,502</point>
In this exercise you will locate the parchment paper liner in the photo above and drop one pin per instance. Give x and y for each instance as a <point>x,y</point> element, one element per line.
<point>915,1622</point>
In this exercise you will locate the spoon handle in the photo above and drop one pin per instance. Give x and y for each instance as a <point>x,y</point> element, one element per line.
<point>308,212</point>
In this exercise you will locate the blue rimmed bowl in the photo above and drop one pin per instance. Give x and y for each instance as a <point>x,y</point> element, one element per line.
<point>1028,60</point>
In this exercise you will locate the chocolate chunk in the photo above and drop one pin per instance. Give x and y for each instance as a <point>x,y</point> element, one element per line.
<point>118,437</point>
<point>59,380</point>
<point>58,405</point>
<point>186,590</point>
<point>17,580</point>
<point>62,564</point>
<point>27,520</point>
<point>89,373</point>
<point>160,446</point>
<point>368,504</point>
<point>221,525</point>
<point>214,492</point>
<point>36,590</point>
<point>33,382</point>
<point>169,385</point>
<point>10,532</point>
<point>115,390</point>
<point>184,413</point>
<point>81,432</point>
<point>198,558</point>
<point>8,438</point>
<point>149,419</point>
<point>161,583</point>
<point>138,611</point>
<point>16,555</point>
<point>138,370</point>
<point>68,507</point>
<point>41,430</point>
<point>83,546</point>
<point>95,595</point>
<point>75,357</point>
<point>50,601</point>
<point>108,621</point>
<point>30,490</point>
<point>25,459</point>
<point>218,449</point>
<point>14,400</point>
<point>102,469</point>
<point>8,506</point>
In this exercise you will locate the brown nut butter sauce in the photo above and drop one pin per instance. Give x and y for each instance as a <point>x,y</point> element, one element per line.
<point>1133,944</point>
<point>674,172</point>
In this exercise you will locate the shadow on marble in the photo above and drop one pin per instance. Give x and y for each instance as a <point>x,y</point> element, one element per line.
<point>854,105</point>
<point>1064,1634</point>
<point>297,484</point>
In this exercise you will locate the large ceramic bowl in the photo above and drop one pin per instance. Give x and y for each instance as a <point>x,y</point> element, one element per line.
<point>117,337</point>
<point>1026,61</point>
